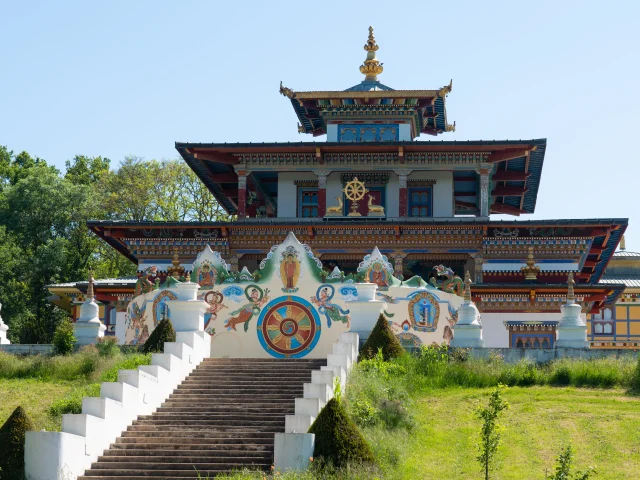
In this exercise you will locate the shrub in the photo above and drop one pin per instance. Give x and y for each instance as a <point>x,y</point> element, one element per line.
<point>63,338</point>
<point>382,337</point>
<point>108,347</point>
<point>384,368</point>
<point>12,436</point>
<point>163,332</point>
<point>394,414</point>
<point>338,440</point>
<point>363,413</point>
<point>72,401</point>
<point>635,377</point>
<point>563,468</point>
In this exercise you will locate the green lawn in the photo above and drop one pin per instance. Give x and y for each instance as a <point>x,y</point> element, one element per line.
<point>603,426</point>
<point>35,397</point>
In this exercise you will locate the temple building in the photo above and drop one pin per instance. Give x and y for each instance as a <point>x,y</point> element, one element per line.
<point>425,205</point>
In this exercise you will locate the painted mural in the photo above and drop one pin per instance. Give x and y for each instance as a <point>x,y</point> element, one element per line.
<point>291,308</point>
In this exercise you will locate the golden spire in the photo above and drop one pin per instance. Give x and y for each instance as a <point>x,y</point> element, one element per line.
<point>623,245</point>
<point>571,297</point>
<point>90,287</point>
<point>176,271</point>
<point>467,287</point>
<point>530,271</point>
<point>371,67</point>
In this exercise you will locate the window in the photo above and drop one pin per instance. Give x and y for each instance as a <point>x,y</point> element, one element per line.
<point>368,133</point>
<point>420,202</point>
<point>307,202</point>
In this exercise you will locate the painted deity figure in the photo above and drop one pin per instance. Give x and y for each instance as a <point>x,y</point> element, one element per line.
<point>378,276</point>
<point>144,283</point>
<point>214,300</point>
<point>331,311</point>
<point>206,276</point>
<point>138,325</point>
<point>257,299</point>
<point>290,272</point>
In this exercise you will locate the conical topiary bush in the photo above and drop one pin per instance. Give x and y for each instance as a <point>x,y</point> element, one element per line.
<point>12,435</point>
<point>163,332</point>
<point>382,337</point>
<point>338,440</point>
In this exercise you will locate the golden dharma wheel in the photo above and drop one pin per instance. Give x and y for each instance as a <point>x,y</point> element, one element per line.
<point>354,190</point>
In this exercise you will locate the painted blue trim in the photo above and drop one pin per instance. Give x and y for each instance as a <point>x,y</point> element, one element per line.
<point>301,205</point>
<point>411,204</point>
<point>375,126</point>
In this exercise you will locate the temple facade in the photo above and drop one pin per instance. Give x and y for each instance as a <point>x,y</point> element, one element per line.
<point>424,206</point>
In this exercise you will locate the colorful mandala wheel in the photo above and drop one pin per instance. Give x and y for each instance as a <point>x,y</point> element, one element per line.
<point>288,327</point>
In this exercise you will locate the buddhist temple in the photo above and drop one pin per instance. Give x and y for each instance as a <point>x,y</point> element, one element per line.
<point>381,183</point>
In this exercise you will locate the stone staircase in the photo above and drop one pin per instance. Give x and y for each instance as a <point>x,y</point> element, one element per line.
<point>222,417</point>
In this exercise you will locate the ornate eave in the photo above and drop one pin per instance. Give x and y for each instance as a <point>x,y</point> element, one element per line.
<point>515,167</point>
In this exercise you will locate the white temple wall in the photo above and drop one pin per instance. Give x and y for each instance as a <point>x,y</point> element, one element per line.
<point>334,188</point>
<point>404,132</point>
<point>442,190</point>
<point>496,334</point>
<point>392,209</point>
<point>332,132</point>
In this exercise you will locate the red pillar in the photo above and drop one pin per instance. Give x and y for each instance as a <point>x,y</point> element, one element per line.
<point>242,196</point>
<point>322,192</point>
<point>404,202</point>
<point>404,197</point>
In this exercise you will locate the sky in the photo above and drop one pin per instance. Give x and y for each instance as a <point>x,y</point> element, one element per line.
<point>123,78</point>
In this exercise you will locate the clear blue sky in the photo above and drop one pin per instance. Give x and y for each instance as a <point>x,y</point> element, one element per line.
<point>131,77</point>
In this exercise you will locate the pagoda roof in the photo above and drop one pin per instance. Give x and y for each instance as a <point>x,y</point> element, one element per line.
<point>517,166</point>
<point>631,281</point>
<point>425,108</point>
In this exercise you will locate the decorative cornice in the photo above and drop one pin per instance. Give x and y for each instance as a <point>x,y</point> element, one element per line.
<point>531,270</point>
<point>306,183</point>
<point>367,178</point>
<point>421,182</point>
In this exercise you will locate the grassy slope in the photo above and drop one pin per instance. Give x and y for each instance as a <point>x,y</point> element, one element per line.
<point>35,397</point>
<point>602,425</point>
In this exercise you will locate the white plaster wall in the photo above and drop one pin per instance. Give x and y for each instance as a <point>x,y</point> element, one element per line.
<point>442,190</point>
<point>120,327</point>
<point>496,335</point>
<point>404,132</point>
<point>392,208</point>
<point>332,132</point>
<point>334,188</point>
<point>287,192</point>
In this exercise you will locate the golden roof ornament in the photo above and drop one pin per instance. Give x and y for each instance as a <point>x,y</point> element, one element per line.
<point>90,287</point>
<point>571,297</point>
<point>531,270</point>
<point>176,271</point>
<point>623,245</point>
<point>467,287</point>
<point>371,67</point>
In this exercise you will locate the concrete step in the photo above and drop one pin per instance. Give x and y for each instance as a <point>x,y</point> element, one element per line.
<point>190,455</point>
<point>188,447</point>
<point>206,423</point>
<point>196,440</point>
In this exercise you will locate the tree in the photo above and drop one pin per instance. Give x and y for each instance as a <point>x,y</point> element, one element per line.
<point>82,170</point>
<point>491,432</point>
<point>563,468</point>
<point>64,340</point>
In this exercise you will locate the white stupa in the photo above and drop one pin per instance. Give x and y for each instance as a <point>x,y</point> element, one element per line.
<point>571,331</point>
<point>467,332</point>
<point>88,328</point>
<point>3,331</point>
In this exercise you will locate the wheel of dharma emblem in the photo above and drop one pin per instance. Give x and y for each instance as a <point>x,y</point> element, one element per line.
<point>354,191</point>
<point>288,327</point>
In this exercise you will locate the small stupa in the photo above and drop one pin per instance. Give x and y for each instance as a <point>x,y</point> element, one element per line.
<point>467,332</point>
<point>88,328</point>
<point>571,331</point>
<point>3,331</point>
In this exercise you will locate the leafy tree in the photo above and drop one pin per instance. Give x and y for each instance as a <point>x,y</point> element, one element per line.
<point>64,340</point>
<point>491,432</point>
<point>84,170</point>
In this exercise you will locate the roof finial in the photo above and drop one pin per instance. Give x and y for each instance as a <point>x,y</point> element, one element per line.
<point>467,287</point>
<point>371,67</point>
<point>623,245</point>
<point>571,297</point>
<point>531,270</point>
<point>176,271</point>
<point>90,287</point>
